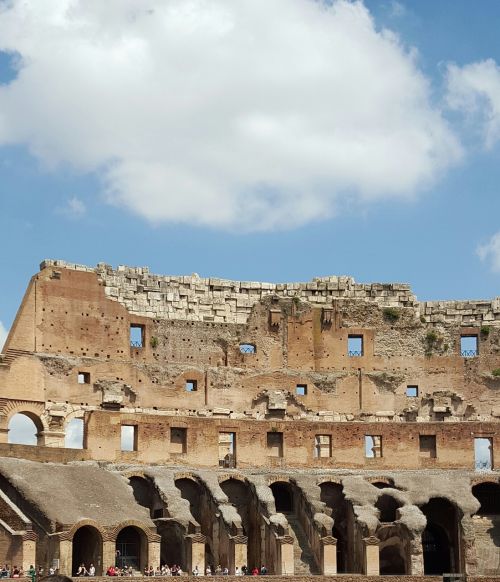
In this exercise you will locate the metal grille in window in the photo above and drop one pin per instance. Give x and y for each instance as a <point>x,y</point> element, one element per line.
<point>469,353</point>
<point>135,344</point>
<point>355,353</point>
<point>247,348</point>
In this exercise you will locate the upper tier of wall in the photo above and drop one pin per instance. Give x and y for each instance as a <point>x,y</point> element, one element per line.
<point>209,299</point>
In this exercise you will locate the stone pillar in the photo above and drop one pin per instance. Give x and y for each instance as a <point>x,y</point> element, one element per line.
<point>108,554</point>
<point>328,556</point>
<point>285,565</point>
<point>416,566</point>
<point>154,553</point>
<point>196,552</point>
<point>65,557</point>
<point>371,555</point>
<point>238,546</point>
<point>4,435</point>
<point>29,550</point>
<point>52,438</point>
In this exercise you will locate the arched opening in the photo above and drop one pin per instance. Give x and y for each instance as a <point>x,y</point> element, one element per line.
<point>200,507</point>
<point>332,494</point>
<point>382,484</point>
<point>240,495</point>
<point>440,538</point>
<point>24,429</point>
<point>87,549</point>
<point>488,495</point>
<point>74,434</point>
<point>486,524</point>
<point>172,550</point>
<point>391,560</point>
<point>283,496</point>
<point>146,494</point>
<point>131,549</point>
<point>387,506</point>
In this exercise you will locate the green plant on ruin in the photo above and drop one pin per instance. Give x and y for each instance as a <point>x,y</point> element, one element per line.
<point>496,372</point>
<point>391,314</point>
<point>153,342</point>
<point>485,331</point>
<point>433,341</point>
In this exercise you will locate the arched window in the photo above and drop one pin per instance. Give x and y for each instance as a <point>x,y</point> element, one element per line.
<point>24,429</point>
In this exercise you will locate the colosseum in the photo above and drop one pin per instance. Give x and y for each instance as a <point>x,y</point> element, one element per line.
<point>316,428</point>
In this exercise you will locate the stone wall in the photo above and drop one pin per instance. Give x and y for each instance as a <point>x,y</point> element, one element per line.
<point>210,299</point>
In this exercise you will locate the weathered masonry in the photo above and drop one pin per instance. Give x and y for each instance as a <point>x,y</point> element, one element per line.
<point>317,428</point>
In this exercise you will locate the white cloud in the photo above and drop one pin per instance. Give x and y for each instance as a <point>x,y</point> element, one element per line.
<point>3,335</point>
<point>244,114</point>
<point>474,89</point>
<point>490,251</point>
<point>73,208</point>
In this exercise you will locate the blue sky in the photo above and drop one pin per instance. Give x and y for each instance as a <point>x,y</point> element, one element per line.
<point>240,210</point>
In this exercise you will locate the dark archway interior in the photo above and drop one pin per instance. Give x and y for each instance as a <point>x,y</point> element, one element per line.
<point>128,548</point>
<point>488,495</point>
<point>382,484</point>
<point>391,561</point>
<point>283,496</point>
<point>191,491</point>
<point>332,494</point>
<point>387,506</point>
<point>87,549</point>
<point>440,539</point>
<point>142,492</point>
<point>172,550</point>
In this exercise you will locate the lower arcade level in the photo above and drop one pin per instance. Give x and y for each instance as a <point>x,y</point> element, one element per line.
<point>292,522</point>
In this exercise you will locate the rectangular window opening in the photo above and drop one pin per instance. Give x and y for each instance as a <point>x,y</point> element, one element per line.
<point>373,446</point>
<point>322,446</point>
<point>247,348</point>
<point>355,345</point>
<point>227,450</point>
<point>469,347</point>
<point>128,437</point>
<point>427,445</point>
<point>301,389</point>
<point>83,377</point>
<point>136,335</point>
<point>191,385</point>
<point>483,454</point>
<point>275,444</point>
<point>178,440</point>
<point>412,391</point>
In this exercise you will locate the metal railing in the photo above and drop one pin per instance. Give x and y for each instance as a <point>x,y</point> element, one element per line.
<point>355,353</point>
<point>483,465</point>
<point>135,344</point>
<point>247,349</point>
<point>469,353</point>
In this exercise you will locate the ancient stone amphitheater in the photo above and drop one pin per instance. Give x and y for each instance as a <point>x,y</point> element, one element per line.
<point>317,428</point>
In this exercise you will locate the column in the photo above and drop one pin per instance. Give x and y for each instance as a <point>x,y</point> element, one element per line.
<point>328,556</point>
<point>238,546</point>
<point>108,554</point>
<point>29,550</point>
<point>196,552</point>
<point>371,553</point>
<point>65,557</point>
<point>285,566</point>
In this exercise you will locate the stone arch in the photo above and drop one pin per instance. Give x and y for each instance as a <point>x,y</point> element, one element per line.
<point>486,524</point>
<point>147,495</point>
<point>34,410</point>
<point>31,424</point>
<point>441,537</point>
<point>392,558</point>
<point>240,494</point>
<point>283,495</point>
<point>86,541</point>
<point>131,545</point>
<point>387,506</point>
<point>381,482</point>
<point>332,495</point>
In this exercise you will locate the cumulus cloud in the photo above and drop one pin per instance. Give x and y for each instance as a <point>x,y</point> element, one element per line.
<point>3,335</point>
<point>474,89</point>
<point>490,252</point>
<point>237,114</point>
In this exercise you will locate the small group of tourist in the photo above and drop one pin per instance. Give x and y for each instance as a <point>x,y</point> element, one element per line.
<point>243,571</point>
<point>117,571</point>
<point>82,570</point>
<point>9,571</point>
<point>164,570</point>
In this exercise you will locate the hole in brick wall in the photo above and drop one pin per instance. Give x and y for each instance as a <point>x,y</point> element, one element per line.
<point>412,391</point>
<point>355,345</point>
<point>74,434</point>
<point>373,446</point>
<point>427,445</point>
<point>483,454</point>
<point>275,444</point>
<point>322,446</point>
<point>247,348</point>
<point>191,385</point>
<point>83,377</point>
<point>137,335</point>
<point>128,437</point>
<point>178,440</point>
<point>301,389</point>
<point>469,346</point>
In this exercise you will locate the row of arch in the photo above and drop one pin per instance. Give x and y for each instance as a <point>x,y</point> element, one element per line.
<point>25,428</point>
<point>441,539</point>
